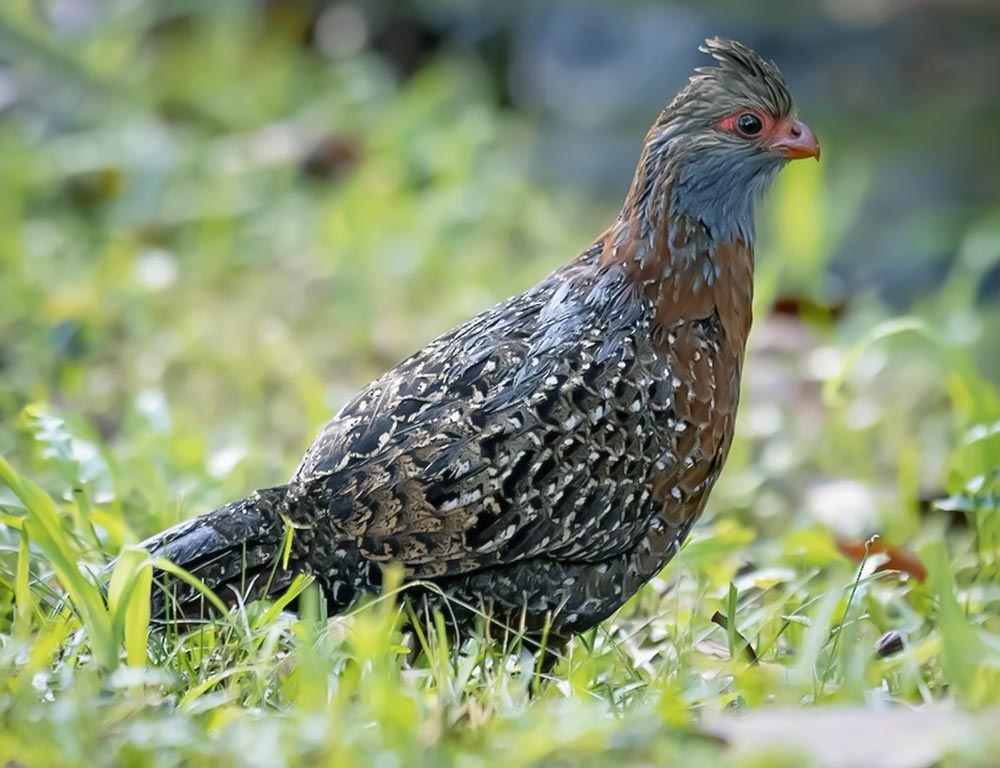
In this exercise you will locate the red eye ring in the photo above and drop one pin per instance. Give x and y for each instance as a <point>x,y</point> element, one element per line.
<point>748,123</point>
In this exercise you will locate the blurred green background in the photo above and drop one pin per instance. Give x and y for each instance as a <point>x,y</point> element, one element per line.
<point>218,219</point>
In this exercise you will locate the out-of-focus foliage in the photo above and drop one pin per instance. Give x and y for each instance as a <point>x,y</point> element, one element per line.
<point>217,220</point>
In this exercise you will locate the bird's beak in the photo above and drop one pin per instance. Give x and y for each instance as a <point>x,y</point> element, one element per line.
<point>796,141</point>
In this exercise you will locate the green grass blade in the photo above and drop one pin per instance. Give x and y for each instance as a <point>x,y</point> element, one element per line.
<point>189,578</point>
<point>23,599</point>
<point>45,530</point>
<point>128,600</point>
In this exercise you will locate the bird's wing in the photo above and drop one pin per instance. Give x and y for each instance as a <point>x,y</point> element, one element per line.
<point>524,432</point>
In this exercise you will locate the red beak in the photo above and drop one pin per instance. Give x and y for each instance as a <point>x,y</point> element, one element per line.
<point>796,140</point>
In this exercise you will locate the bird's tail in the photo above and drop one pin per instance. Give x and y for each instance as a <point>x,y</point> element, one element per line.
<point>235,550</point>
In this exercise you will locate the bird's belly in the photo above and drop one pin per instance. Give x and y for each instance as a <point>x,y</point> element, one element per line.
<point>653,459</point>
<point>698,432</point>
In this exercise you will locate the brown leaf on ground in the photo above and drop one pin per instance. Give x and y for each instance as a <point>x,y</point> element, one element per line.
<point>897,558</point>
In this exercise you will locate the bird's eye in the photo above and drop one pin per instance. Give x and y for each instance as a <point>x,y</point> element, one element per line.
<point>749,124</point>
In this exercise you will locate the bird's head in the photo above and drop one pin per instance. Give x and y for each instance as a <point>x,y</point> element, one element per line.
<point>719,144</point>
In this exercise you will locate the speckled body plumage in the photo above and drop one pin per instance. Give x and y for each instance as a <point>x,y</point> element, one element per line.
<point>548,457</point>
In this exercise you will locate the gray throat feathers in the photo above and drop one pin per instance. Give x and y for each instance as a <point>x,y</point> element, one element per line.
<point>684,211</point>
<point>684,237</point>
<point>719,189</point>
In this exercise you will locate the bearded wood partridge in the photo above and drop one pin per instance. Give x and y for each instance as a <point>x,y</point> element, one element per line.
<point>545,459</point>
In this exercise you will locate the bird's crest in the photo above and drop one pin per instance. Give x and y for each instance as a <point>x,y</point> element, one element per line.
<point>737,63</point>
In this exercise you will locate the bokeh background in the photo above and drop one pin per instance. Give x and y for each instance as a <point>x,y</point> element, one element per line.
<point>219,219</point>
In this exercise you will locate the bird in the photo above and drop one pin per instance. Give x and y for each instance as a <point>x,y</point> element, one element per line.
<point>542,461</point>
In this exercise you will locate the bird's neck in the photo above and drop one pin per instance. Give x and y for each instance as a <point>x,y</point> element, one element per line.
<point>673,257</point>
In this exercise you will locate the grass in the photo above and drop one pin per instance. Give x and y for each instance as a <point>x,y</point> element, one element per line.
<point>187,295</point>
